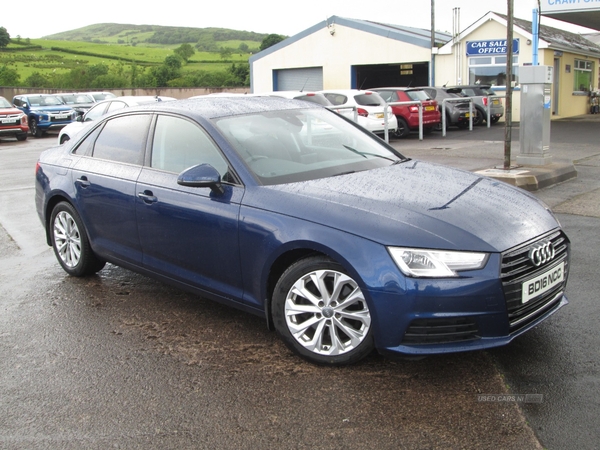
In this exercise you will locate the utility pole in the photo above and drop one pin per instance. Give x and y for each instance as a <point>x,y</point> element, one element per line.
<point>432,62</point>
<point>508,105</point>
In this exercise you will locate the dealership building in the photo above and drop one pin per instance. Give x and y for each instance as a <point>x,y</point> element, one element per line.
<point>341,53</point>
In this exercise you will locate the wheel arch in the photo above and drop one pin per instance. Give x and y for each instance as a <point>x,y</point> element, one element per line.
<point>50,205</point>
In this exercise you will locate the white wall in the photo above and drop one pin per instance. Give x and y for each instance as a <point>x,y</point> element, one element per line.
<point>336,54</point>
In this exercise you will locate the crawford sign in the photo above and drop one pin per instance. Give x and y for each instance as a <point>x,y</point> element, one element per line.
<point>491,47</point>
<point>569,5</point>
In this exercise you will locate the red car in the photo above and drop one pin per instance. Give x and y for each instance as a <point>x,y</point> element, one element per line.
<point>408,115</point>
<point>12,121</point>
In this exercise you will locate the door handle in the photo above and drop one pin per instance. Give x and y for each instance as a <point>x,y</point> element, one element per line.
<point>83,181</point>
<point>147,197</point>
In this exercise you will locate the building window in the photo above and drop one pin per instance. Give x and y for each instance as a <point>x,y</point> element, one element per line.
<point>491,70</point>
<point>582,74</point>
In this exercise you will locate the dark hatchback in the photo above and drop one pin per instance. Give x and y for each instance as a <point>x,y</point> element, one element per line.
<point>294,213</point>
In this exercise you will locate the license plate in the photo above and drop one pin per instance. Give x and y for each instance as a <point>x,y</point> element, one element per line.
<point>61,116</point>
<point>495,102</point>
<point>543,283</point>
<point>429,108</point>
<point>379,116</point>
<point>10,121</point>
<point>467,115</point>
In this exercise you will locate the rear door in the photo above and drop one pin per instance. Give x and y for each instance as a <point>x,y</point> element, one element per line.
<point>105,178</point>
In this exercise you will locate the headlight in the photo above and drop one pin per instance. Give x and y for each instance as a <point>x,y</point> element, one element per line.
<point>417,262</point>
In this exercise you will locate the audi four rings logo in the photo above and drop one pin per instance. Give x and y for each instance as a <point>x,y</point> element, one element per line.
<point>541,253</point>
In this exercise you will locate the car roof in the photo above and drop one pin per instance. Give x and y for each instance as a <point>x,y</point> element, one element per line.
<point>473,86</point>
<point>394,88</point>
<point>216,107</point>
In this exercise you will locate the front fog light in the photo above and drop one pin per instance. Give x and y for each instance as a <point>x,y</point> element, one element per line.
<point>416,262</point>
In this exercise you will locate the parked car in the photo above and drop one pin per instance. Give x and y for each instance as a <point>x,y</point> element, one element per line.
<point>44,112</point>
<point>13,122</point>
<point>98,96</point>
<point>408,115</point>
<point>80,102</point>
<point>313,97</point>
<point>342,244</point>
<point>105,107</point>
<point>457,113</point>
<point>369,105</point>
<point>480,94</point>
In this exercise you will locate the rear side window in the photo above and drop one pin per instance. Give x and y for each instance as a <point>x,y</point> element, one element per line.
<point>388,96</point>
<point>123,139</point>
<point>418,95</point>
<point>336,99</point>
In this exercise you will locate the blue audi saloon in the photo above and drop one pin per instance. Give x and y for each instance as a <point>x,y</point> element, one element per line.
<point>292,212</point>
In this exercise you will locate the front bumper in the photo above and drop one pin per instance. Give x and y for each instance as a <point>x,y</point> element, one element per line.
<point>482,309</point>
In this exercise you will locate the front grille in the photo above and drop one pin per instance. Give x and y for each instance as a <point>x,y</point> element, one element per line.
<point>440,331</point>
<point>517,268</point>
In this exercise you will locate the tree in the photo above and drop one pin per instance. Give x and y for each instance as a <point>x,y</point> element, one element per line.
<point>186,51</point>
<point>36,79</point>
<point>4,37</point>
<point>271,40</point>
<point>8,77</point>
<point>225,52</point>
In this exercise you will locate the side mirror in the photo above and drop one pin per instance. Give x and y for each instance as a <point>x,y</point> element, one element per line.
<point>202,175</point>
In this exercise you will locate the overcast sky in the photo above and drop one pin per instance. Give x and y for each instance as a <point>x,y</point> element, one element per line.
<point>36,18</point>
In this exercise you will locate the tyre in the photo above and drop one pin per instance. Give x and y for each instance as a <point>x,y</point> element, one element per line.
<point>21,137</point>
<point>479,117</point>
<point>33,127</point>
<point>321,313</point>
<point>70,243</point>
<point>403,129</point>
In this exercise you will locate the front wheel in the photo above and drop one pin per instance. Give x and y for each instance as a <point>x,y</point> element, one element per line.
<point>70,243</point>
<point>35,130</point>
<point>321,313</point>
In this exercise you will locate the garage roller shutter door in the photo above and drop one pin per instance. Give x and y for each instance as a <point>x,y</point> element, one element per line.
<point>307,79</point>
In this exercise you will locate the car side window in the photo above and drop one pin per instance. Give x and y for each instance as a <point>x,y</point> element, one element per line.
<point>179,144</point>
<point>123,139</point>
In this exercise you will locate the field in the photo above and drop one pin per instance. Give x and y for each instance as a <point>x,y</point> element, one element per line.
<point>120,47</point>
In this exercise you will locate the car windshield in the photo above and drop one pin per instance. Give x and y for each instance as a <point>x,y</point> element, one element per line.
<point>77,99</point>
<point>299,145</point>
<point>4,103</point>
<point>44,100</point>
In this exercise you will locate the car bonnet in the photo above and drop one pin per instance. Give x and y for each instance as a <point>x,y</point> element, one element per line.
<point>415,204</point>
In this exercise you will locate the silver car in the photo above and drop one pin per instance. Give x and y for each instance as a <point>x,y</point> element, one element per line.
<point>483,96</point>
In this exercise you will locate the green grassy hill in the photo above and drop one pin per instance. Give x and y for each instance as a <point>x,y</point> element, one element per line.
<point>127,51</point>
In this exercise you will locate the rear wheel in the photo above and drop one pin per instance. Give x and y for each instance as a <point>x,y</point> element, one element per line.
<point>70,243</point>
<point>479,116</point>
<point>21,137</point>
<point>403,129</point>
<point>321,313</point>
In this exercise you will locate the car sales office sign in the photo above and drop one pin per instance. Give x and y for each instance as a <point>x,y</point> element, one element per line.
<point>491,47</point>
